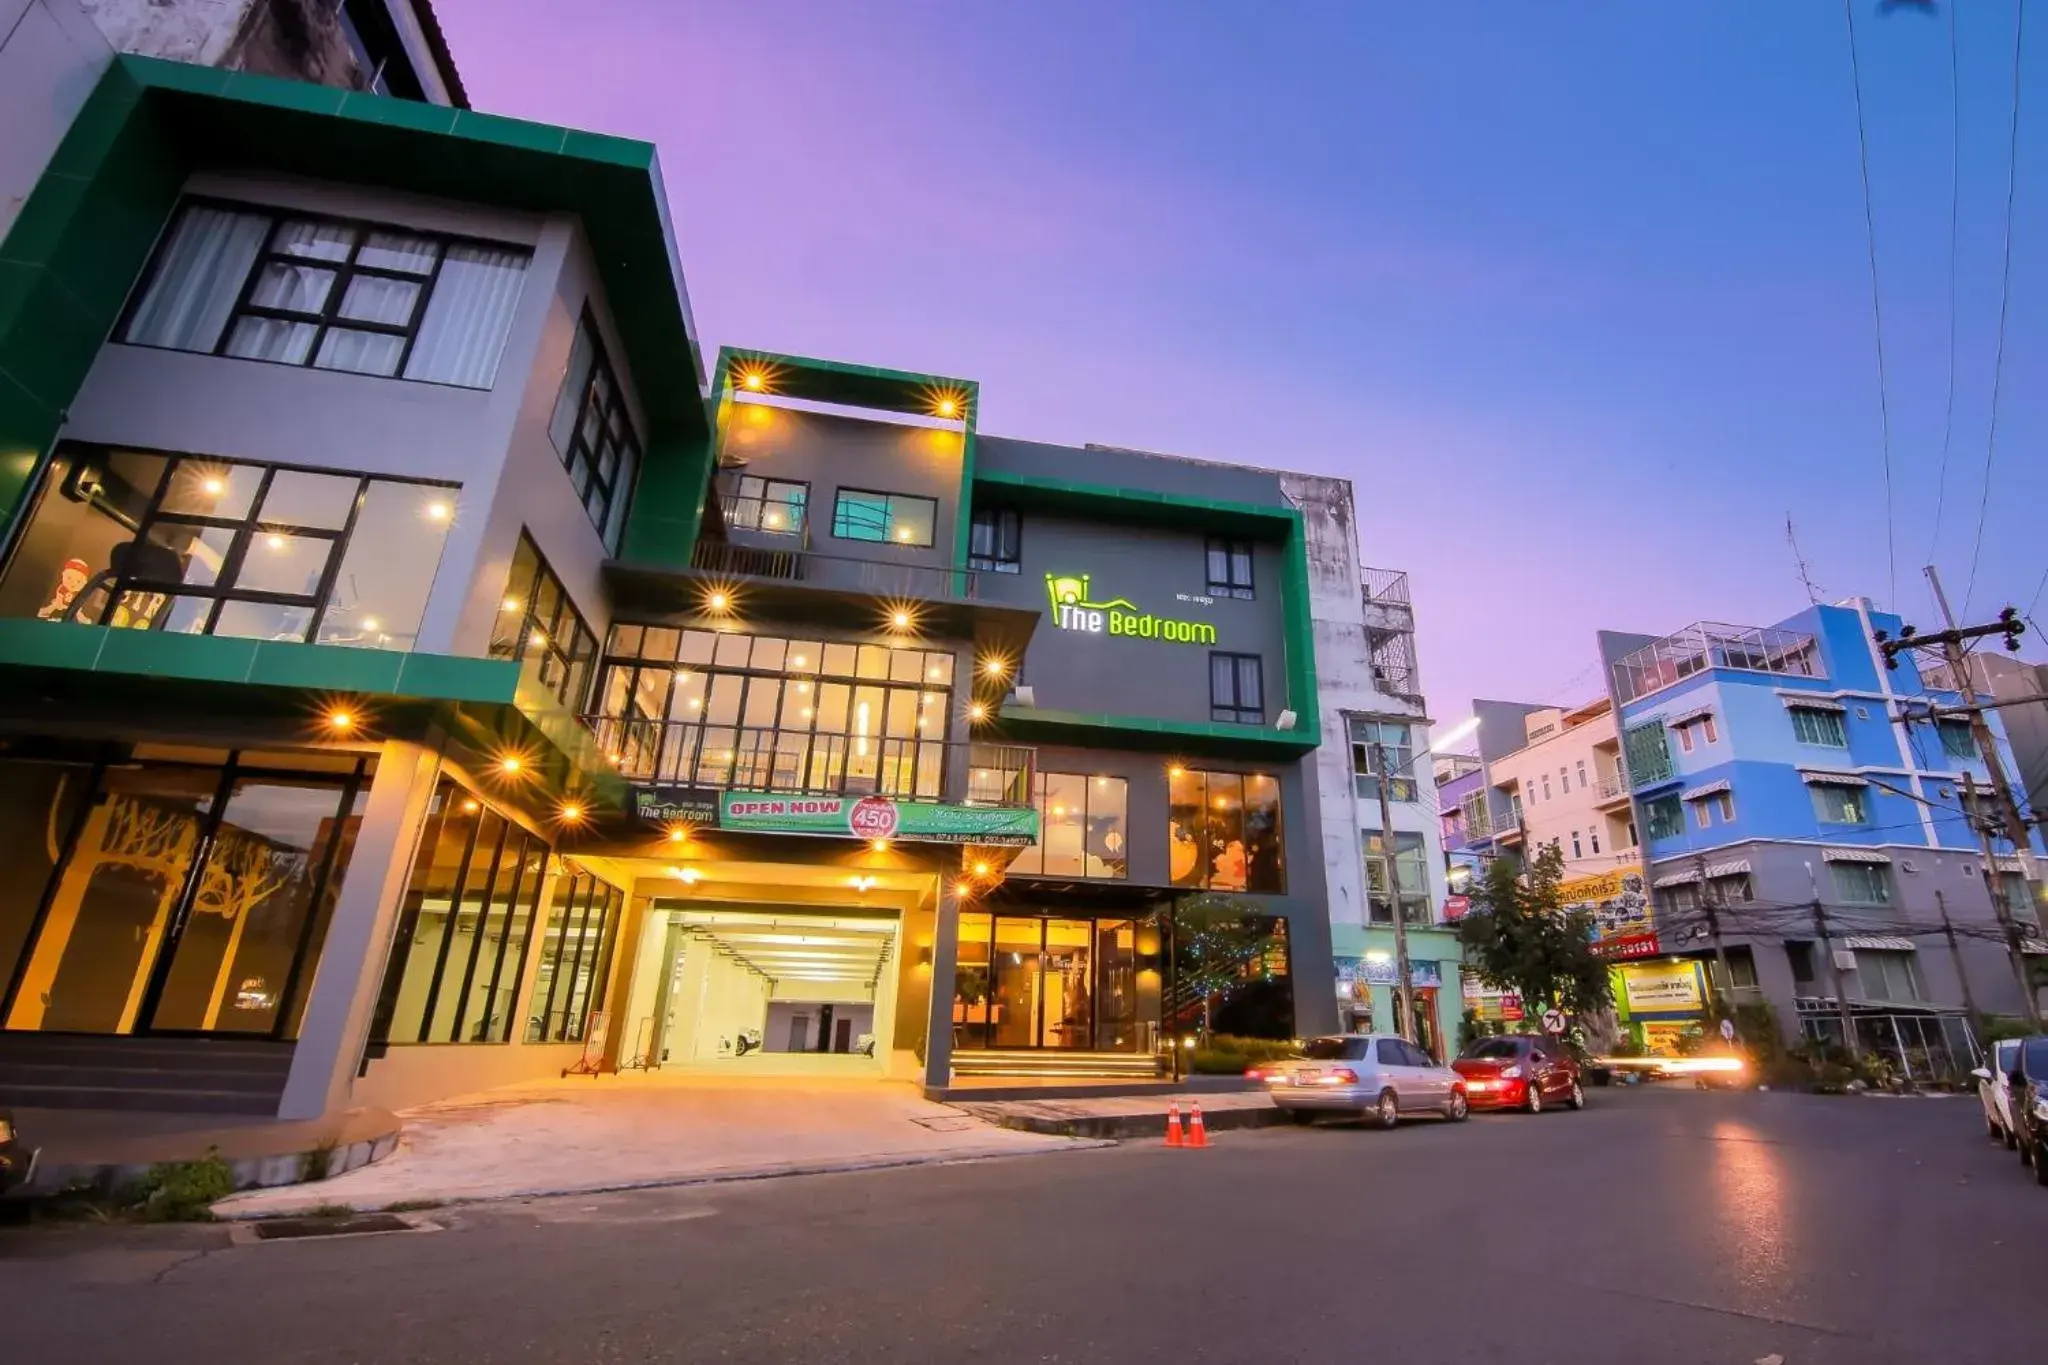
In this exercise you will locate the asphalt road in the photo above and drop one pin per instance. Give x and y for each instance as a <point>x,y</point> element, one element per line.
<point>1656,1226</point>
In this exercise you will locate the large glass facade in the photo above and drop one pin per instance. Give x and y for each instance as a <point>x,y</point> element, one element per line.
<point>1067,983</point>
<point>1082,828</point>
<point>576,956</point>
<point>182,891</point>
<point>204,546</point>
<point>462,934</point>
<point>698,708</point>
<point>1223,831</point>
<point>539,626</point>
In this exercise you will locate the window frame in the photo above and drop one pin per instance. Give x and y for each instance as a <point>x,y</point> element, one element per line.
<point>1848,793</point>
<point>520,647</point>
<point>608,903</point>
<point>730,499</point>
<point>1234,709</point>
<point>1202,874</point>
<point>1813,718</point>
<point>345,270</point>
<point>617,489</point>
<point>1947,732</point>
<point>1373,853</point>
<point>1232,549</point>
<point>1364,781</point>
<point>890,499</point>
<point>1664,804</point>
<point>1041,788</point>
<point>1005,527</point>
<point>1880,872</point>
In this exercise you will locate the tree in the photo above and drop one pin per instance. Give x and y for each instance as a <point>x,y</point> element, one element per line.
<point>1518,936</point>
<point>1220,943</point>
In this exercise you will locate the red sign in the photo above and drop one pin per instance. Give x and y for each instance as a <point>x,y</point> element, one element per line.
<point>872,817</point>
<point>1511,1007</point>
<point>1628,945</point>
<point>1456,906</point>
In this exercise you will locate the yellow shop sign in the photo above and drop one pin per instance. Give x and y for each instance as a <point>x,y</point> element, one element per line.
<point>1662,987</point>
<point>1072,610</point>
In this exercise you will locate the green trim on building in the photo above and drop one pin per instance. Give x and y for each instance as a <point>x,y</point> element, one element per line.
<point>812,380</point>
<point>485,702</point>
<point>85,233</point>
<point>1282,523</point>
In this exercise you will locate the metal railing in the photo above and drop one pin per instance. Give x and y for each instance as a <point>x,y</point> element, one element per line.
<point>882,578</point>
<point>1612,786</point>
<point>747,758</point>
<point>766,516</point>
<point>1385,585</point>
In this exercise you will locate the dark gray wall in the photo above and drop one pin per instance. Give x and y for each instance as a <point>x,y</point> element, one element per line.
<point>1117,468</point>
<point>1155,568</point>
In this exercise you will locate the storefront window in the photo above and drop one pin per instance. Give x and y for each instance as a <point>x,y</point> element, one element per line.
<point>1053,982</point>
<point>1081,824</point>
<point>461,942</point>
<point>204,546</point>
<point>576,955</point>
<point>188,897</point>
<point>696,708</point>
<point>1223,831</point>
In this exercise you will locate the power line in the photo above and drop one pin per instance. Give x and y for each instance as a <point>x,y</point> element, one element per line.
<point>1884,411</point>
<point>1948,416</point>
<point>2012,163</point>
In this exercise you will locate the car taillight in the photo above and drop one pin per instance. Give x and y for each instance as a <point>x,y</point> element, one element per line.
<point>1513,1073</point>
<point>1256,1073</point>
<point>1344,1075</point>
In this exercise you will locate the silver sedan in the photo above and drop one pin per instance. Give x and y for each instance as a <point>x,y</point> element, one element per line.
<point>1375,1075</point>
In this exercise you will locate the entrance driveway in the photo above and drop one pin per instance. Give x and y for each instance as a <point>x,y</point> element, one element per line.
<point>621,1132</point>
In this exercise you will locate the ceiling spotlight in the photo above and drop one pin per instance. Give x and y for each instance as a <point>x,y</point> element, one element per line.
<point>437,511</point>
<point>977,712</point>
<point>753,381</point>
<point>215,487</point>
<point>948,407</point>
<point>511,764</point>
<point>470,808</point>
<point>679,835</point>
<point>571,813</point>
<point>963,889</point>
<point>900,619</point>
<point>718,600</point>
<point>994,668</point>
<point>340,720</point>
<point>981,869</point>
<point>879,845</point>
<point>686,875</point>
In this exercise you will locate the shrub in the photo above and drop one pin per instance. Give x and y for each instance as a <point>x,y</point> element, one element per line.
<point>1230,1054</point>
<point>183,1191</point>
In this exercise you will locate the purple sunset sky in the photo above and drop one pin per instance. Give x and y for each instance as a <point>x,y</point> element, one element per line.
<point>1577,295</point>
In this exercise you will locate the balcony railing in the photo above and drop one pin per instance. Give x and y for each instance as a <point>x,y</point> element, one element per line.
<point>745,758</point>
<point>1613,787</point>
<point>1385,585</point>
<point>792,564</point>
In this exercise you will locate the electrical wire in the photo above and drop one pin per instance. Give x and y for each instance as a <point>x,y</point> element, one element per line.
<point>1955,199</point>
<point>1884,411</point>
<point>2012,163</point>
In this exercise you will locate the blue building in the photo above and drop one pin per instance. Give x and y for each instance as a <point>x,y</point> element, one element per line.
<point>1776,783</point>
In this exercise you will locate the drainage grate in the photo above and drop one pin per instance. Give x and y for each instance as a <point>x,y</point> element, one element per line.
<point>285,1229</point>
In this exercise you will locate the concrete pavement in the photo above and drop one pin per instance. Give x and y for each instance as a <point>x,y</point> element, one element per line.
<point>1658,1226</point>
<point>623,1132</point>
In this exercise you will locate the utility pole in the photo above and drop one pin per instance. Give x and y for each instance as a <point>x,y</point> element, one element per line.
<point>1980,729</point>
<point>1827,952</point>
<point>1994,884</point>
<point>1403,988</point>
<point>1955,955</point>
<point>1710,904</point>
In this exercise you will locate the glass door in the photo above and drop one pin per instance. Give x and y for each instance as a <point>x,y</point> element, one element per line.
<point>116,897</point>
<point>230,948</point>
<point>1068,1017</point>
<point>1019,942</point>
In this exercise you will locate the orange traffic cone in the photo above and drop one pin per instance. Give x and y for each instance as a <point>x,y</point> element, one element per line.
<point>1173,1138</point>
<point>1198,1135</point>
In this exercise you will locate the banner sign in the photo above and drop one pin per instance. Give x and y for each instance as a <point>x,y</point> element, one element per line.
<point>671,805</point>
<point>1619,902</point>
<point>1662,988</point>
<point>1377,969</point>
<point>878,817</point>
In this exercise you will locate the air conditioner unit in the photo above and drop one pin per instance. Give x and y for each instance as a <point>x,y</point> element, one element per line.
<point>1908,866</point>
<point>1845,960</point>
<point>1024,695</point>
<point>1286,721</point>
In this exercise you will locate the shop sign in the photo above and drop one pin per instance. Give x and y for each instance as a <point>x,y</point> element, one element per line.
<point>670,805</point>
<point>1074,610</point>
<point>1619,903</point>
<point>1379,971</point>
<point>1491,1004</point>
<point>1455,907</point>
<point>1628,946</point>
<point>878,817</point>
<point>1661,987</point>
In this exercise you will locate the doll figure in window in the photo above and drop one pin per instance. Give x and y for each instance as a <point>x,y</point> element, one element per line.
<point>71,580</point>
<point>1230,867</point>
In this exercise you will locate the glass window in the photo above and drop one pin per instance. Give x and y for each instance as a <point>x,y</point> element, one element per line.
<point>1230,568</point>
<point>1666,819</point>
<point>1957,741</point>
<point>1648,753</point>
<point>593,432</point>
<point>1223,831</point>
<point>1818,727</point>
<point>1236,689</point>
<point>1411,867</point>
<point>892,518</point>
<point>1389,1052</point>
<point>1835,804</point>
<point>204,546</point>
<point>1861,883</point>
<point>1396,738</point>
<point>575,958</point>
<point>1888,974</point>
<point>995,538</point>
<point>460,948</point>
<point>336,295</point>
<point>538,625</point>
<point>1082,827</point>
<point>771,506</point>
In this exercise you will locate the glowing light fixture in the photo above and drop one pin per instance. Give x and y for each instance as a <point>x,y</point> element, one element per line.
<point>947,407</point>
<point>437,511</point>
<point>340,719</point>
<point>470,808</point>
<point>369,623</point>
<point>977,712</point>
<point>753,381</point>
<point>215,487</point>
<point>511,765</point>
<point>963,888</point>
<point>274,541</point>
<point>900,619</point>
<point>904,533</point>
<point>994,668</point>
<point>510,604</point>
<point>537,638</point>
<point>679,835</point>
<point>718,600</point>
<point>571,813</point>
<point>981,869</point>
<point>879,845</point>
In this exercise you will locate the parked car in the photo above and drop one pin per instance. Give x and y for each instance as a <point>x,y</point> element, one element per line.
<point>1520,1071</point>
<point>2028,1077</point>
<point>1377,1075</point>
<point>17,1161</point>
<point>1994,1090</point>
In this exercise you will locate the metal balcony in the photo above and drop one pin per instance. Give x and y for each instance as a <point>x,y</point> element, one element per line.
<point>793,564</point>
<point>1611,790</point>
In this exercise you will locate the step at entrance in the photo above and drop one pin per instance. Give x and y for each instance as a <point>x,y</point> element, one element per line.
<point>167,1075</point>
<point>1044,1063</point>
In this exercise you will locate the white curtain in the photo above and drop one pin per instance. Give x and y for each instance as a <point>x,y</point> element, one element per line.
<point>468,317</point>
<point>569,402</point>
<point>198,277</point>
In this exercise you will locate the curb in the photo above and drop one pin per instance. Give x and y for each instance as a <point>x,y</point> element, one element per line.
<point>1124,1126</point>
<point>952,1156</point>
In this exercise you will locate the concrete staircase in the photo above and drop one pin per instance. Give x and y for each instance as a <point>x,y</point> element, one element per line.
<point>1051,1064</point>
<point>161,1075</point>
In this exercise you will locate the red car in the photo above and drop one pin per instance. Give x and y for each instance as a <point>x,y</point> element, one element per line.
<point>1520,1071</point>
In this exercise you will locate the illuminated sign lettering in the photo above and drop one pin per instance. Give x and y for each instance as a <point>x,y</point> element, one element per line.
<point>1072,610</point>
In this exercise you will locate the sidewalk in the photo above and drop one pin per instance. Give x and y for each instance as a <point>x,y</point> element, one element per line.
<point>608,1133</point>
<point>1126,1116</point>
